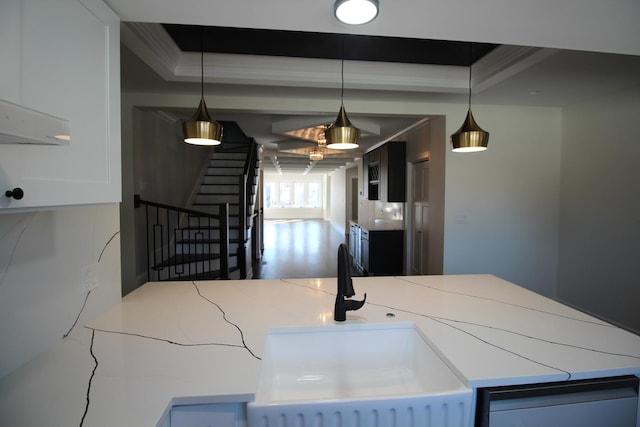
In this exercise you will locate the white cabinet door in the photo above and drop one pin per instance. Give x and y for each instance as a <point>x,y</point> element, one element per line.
<point>62,58</point>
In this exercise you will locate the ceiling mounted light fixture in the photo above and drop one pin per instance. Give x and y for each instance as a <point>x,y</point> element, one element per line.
<point>316,154</point>
<point>356,12</point>
<point>341,134</point>
<point>322,139</point>
<point>200,129</point>
<point>470,137</point>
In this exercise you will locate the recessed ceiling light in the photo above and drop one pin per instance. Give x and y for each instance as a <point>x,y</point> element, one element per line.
<point>356,12</point>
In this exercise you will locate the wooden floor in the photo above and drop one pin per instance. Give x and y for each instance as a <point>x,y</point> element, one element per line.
<point>299,248</point>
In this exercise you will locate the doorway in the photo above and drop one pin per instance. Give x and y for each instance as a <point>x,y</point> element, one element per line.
<point>351,196</point>
<point>420,218</point>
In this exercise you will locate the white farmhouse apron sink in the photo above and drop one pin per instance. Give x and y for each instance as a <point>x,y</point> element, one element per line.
<point>356,375</point>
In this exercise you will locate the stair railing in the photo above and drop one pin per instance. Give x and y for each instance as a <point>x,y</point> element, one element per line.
<point>244,201</point>
<point>169,226</point>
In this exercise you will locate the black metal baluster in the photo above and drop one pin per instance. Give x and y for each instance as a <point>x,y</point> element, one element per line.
<point>224,240</point>
<point>200,254</point>
<point>146,224</point>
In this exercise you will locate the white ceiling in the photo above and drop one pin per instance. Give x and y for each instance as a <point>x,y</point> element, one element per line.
<point>510,75</point>
<point>588,25</point>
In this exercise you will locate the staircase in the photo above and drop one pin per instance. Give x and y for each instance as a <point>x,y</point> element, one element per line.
<point>211,239</point>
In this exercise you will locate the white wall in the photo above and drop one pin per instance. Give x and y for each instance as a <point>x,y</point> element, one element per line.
<point>501,205</point>
<point>600,208</point>
<point>41,256</point>
<point>337,200</point>
<point>166,170</point>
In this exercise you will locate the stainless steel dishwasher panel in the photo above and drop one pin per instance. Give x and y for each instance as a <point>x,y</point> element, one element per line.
<point>588,403</point>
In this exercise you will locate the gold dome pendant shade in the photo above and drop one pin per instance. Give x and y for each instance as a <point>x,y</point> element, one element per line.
<point>470,137</point>
<point>342,135</point>
<point>200,129</point>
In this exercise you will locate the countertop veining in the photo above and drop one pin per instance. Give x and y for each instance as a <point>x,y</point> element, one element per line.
<point>170,343</point>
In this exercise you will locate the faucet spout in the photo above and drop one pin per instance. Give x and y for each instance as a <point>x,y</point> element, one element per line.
<point>345,287</point>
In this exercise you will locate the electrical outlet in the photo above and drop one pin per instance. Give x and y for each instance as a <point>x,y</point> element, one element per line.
<point>89,278</point>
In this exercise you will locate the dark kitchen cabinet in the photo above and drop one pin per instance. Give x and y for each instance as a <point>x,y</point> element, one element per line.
<point>371,171</point>
<point>382,252</point>
<point>385,171</point>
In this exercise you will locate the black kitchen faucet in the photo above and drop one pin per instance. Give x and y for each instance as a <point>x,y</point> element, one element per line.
<point>345,287</point>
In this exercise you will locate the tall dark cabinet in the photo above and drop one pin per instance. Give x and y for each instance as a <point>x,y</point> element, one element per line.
<point>384,171</point>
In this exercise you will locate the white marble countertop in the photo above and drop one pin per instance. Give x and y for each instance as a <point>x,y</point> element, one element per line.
<point>174,343</point>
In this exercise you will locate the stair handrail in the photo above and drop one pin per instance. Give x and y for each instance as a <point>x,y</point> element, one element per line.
<point>137,201</point>
<point>223,223</point>
<point>249,167</point>
<point>251,156</point>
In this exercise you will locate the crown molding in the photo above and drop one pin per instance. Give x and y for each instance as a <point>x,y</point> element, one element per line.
<point>505,61</point>
<point>153,45</point>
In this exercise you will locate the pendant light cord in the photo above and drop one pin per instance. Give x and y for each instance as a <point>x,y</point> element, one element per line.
<point>201,62</point>
<point>470,61</point>
<point>342,75</point>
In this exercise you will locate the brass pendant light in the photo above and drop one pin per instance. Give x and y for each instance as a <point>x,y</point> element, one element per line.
<point>470,137</point>
<point>200,129</point>
<point>341,134</point>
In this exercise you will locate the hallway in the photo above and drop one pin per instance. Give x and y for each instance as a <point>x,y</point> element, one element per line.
<point>299,248</point>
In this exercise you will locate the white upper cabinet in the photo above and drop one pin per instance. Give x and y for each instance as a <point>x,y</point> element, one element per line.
<point>62,58</point>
